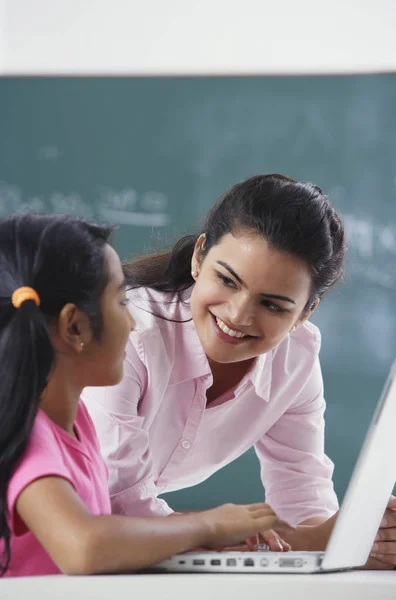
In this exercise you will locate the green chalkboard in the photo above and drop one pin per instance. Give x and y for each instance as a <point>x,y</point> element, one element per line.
<point>152,154</point>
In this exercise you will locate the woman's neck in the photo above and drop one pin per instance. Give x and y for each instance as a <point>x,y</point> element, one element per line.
<point>226,377</point>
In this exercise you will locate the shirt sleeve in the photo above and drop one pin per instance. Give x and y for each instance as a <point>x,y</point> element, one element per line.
<point>295,471</point>
<point>41,459</point>
<point>125,443</point>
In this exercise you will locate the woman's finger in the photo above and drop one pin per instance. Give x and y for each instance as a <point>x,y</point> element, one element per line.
<point>389,519</point>
<point>386,535</point>
<point>388,548</point>
<point>388,559</point>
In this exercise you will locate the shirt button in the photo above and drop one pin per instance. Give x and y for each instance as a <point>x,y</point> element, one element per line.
<point>186,444</point>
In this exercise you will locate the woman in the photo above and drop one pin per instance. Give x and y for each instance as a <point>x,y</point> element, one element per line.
<point>224,358</point>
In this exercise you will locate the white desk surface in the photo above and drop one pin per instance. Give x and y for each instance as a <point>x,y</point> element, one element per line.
<point>357,585</point>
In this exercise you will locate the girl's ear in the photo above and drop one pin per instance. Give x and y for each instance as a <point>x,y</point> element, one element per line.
<point>73,329</point>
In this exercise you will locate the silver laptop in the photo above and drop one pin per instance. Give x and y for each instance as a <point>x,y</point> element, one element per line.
<point>357,524</point>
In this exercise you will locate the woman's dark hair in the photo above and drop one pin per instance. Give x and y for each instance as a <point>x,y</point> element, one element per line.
<point>293,216</point>
<point>63,260</point>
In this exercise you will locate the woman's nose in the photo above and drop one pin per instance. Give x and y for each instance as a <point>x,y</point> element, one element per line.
<point>241,312</point>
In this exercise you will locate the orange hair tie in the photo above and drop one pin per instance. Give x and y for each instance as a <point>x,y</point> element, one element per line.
<point>23,294</point>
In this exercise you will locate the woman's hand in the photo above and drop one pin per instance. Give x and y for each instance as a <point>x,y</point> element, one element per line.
<point>315,537</point>
<point>312,536</point>
<point>383,552</point>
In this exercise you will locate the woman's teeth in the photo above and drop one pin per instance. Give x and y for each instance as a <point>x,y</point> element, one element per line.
<point>228,331</point>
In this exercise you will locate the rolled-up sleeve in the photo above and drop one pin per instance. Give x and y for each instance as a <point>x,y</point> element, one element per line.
<point>295,471</point>
<point>125,443</point>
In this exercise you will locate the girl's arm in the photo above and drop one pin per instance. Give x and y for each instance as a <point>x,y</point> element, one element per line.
<point>80,543</point>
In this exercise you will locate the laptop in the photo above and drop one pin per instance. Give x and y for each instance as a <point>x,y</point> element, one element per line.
<point>359,518</point>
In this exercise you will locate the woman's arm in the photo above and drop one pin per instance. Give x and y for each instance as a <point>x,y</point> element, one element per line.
<point>296,473</point>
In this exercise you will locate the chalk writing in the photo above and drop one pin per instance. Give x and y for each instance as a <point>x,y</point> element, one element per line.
<point>122,207</point>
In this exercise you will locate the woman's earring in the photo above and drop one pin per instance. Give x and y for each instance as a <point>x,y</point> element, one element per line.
<point>81,345</point>
<point>194,274</point>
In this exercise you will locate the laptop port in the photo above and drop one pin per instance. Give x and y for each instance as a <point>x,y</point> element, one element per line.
<point>248,562</point>
<point>291,562</point>
<point>216,562</point>
<point>198,562</point>
<point>231,562</point>
<point>264,562</point>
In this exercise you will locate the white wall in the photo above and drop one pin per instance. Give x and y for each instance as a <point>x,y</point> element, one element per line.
<point>198,37</point>
<point>2,34</point>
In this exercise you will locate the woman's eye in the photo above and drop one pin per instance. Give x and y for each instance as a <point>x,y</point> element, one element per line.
<point>125,302</point>
<point>273,307</point>
<point>225,280</point>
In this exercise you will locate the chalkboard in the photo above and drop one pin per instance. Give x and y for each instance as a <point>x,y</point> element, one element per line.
<point>152,155</point>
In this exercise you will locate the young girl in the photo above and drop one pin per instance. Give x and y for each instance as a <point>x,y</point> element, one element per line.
<point>63,326</point>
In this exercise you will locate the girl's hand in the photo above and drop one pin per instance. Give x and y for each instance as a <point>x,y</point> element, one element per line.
<point>270,537</point>
<point>229,524</point>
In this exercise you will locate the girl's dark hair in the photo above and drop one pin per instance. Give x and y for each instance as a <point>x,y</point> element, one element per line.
<point>63,260</point>
<point>293,216</point>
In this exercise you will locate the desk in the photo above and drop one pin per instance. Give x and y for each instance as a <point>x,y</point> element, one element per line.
<point>357,585</point>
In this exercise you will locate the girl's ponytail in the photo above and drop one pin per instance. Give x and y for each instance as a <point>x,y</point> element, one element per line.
<point>45,263</point>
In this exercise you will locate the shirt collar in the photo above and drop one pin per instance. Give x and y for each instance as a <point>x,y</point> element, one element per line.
<point>261,375</point>
<point>193,362</point>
